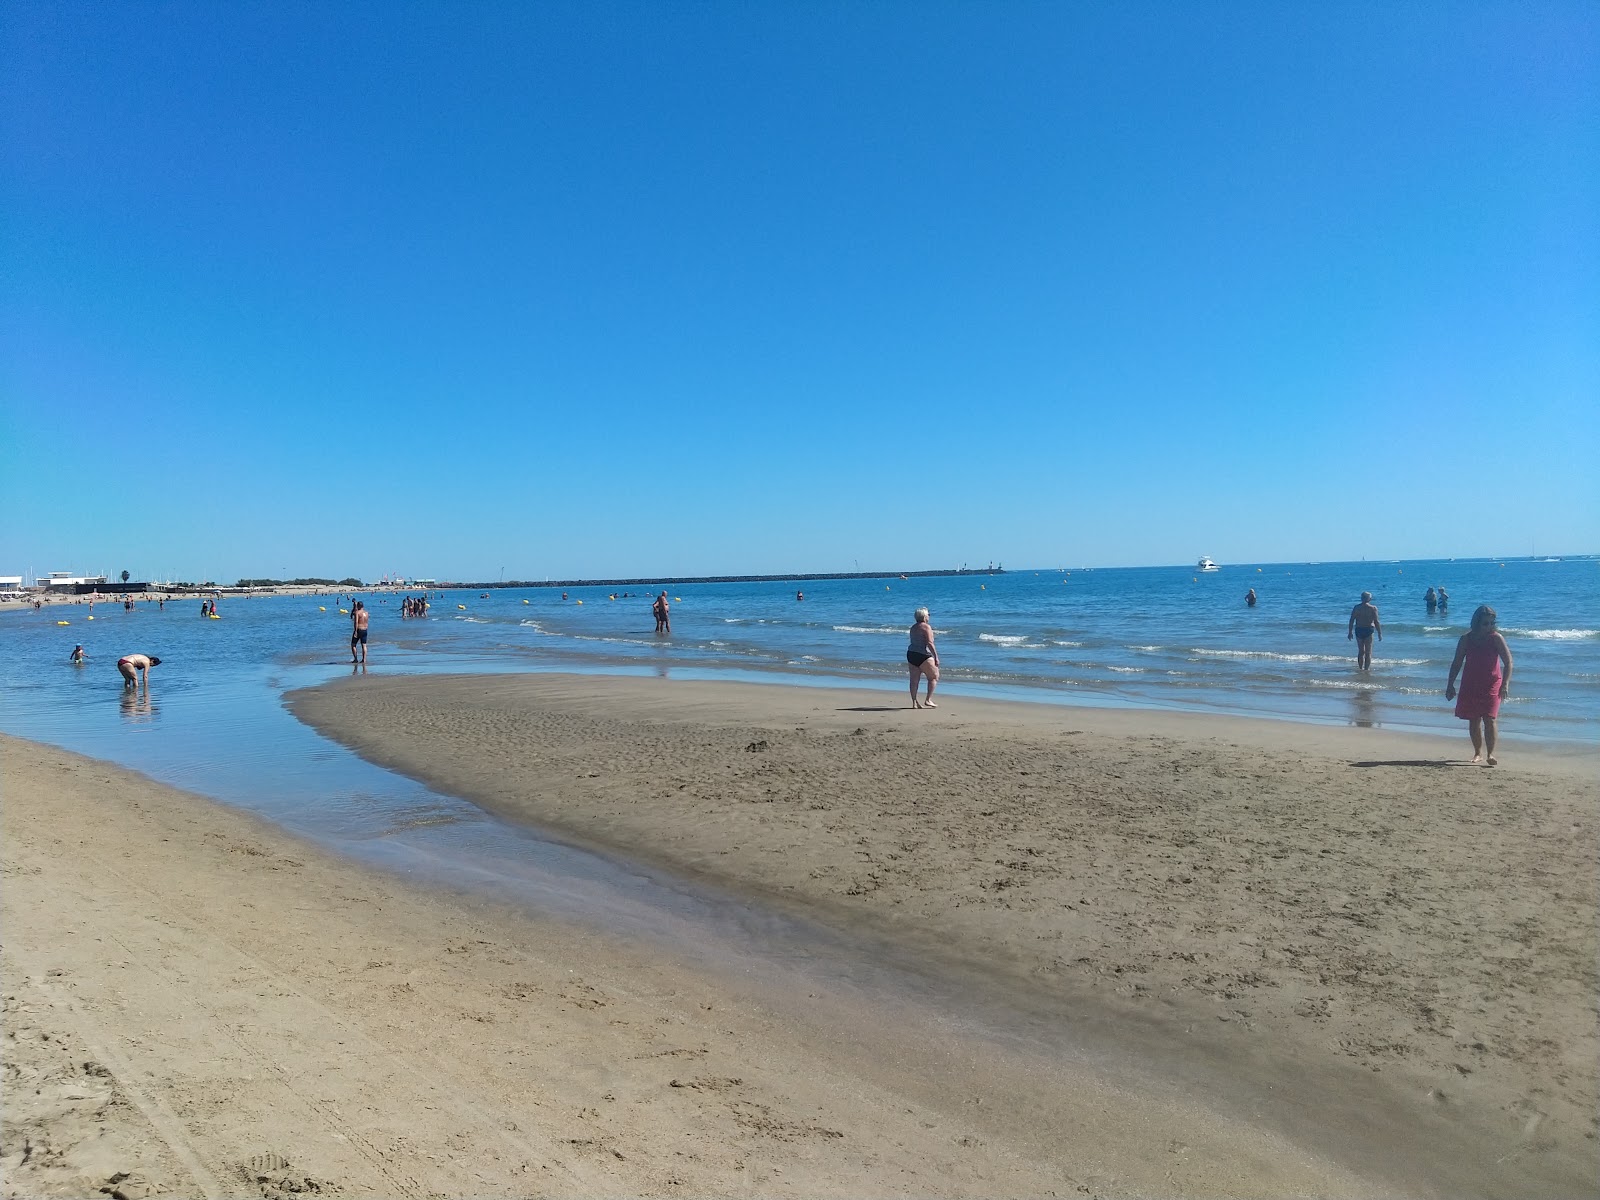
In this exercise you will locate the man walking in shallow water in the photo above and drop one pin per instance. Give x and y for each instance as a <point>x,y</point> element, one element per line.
<point>1363,624</point>
<point>360,618</point>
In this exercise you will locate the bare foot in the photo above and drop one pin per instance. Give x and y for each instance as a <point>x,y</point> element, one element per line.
<point>1493,761</point>
<point>1477,758</point>
<point>929,704</point>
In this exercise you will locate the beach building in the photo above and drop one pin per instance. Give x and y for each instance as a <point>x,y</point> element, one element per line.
<point>66,581</point>
<point>10,583</point>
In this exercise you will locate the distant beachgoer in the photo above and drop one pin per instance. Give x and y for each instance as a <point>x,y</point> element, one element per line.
<point>1482,650</point>
<point>360,618</point>
<point>135,669</point>
<point>1431,599</point>
<point>1363,624</point>
<point>663,614</point>
<point>799,595</point>
<point>77,656</point>
<point>161,604</point>
<point>923,658</point>
<point>1250,598</point>
<point>1444,599</point>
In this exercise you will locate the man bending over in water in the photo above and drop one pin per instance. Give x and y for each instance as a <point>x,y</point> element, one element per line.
<point>1363,624</point>
<point>135,669</point>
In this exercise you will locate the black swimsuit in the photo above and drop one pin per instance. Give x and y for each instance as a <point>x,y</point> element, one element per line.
<point>916,657</point>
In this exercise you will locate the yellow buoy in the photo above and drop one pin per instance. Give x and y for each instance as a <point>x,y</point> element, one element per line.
<point>886,587</point>
<point>345,611</point>
<point>677,599</point>
<point>63,622</point>
<point>462,607</point>
<point>214,616</point>
<point>91,616</point>
<point>580,601</point>
<point>324,608</point>
<point>524,601</point>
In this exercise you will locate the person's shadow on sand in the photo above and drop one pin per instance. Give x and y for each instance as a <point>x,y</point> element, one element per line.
<point>1436,763</point>
<point>870,708</point>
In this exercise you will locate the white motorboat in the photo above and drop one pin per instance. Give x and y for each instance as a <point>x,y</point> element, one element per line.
<point>1205,564</point>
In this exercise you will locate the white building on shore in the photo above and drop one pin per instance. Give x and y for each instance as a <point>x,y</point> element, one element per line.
<point>66,579</point>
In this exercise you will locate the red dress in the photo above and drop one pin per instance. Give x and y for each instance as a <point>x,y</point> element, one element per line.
<point>1480,679</point>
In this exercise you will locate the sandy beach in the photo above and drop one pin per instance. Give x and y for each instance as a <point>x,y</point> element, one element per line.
<point>1259,959</point>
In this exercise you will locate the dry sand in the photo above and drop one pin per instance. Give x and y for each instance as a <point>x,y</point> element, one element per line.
<point>1283,973</point>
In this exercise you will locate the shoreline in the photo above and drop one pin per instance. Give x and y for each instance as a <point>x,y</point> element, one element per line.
<point>1355,918</point>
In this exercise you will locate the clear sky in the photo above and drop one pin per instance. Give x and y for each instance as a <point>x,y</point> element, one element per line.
<point>579,289</point>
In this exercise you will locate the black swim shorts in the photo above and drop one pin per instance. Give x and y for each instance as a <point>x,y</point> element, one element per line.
<point>359,635</point>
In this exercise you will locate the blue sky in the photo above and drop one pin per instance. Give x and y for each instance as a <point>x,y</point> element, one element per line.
<point>597,289</point>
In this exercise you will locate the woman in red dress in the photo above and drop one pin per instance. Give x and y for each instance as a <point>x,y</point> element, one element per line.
<point>1483,651</point>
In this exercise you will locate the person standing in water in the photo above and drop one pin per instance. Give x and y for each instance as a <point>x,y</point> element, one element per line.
<point>1431,599</point>
<point>922,657</point>
<point>1250,598</point>
<point>78,656</point>
<point>1483,652</point>
<point>360,618</point>
<point>135,669</point>
<point>663,614</point>
<point>1363,624</point>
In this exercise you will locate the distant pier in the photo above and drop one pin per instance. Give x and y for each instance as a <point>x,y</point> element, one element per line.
<point>676,580</point>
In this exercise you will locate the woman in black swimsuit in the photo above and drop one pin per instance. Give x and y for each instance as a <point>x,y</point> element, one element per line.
<point>923,657</point>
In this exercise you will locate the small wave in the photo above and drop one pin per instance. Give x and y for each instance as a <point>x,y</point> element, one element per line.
<point>809,658</point>
<point>714,642</point>
<point>1064,642</point>
<point>1267,654</point>
<point>1346,685</point>
<point>1148,649</point>
<point>866,629</point>
<point>533,625</point>
<point>1128,670</point>
<point>1003,639</point>
<point>1436,629</point>
<point>1555,635</point>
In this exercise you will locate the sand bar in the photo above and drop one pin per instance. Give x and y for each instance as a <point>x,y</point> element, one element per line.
<point>1356,910</point>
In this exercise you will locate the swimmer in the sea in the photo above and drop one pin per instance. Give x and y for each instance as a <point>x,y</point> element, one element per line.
<point>78,656</point>
<point>1363,625</point>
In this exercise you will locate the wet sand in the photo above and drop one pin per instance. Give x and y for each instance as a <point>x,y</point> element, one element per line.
<point>1173,957</point>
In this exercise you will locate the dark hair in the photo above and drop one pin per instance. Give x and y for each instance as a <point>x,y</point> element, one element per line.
<point>1483,615</point>
<point>155,662</point>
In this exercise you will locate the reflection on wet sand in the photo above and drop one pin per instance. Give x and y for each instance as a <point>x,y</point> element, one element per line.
<point>1364,708</point>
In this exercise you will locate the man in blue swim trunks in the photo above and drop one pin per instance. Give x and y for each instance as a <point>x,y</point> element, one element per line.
<point>1363,624</point>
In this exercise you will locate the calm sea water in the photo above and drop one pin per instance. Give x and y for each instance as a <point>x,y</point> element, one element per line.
<point>1158,637</point>
<point>1167,637</point>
